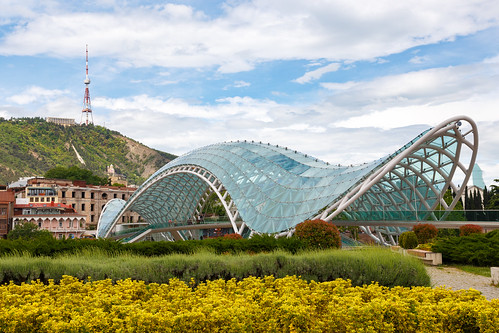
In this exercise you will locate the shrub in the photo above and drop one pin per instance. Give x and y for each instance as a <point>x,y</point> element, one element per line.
<point>319,234</point>
<point>475,249</point>
<point>233,236</point>
<point>444,232</point>
<point>425,232</point>
<point>408,240</point>
<point>468,229</point>
<point>266,304</point>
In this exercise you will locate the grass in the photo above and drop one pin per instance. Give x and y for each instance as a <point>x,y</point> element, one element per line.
<point>362,266</point>
<point>483,271</point>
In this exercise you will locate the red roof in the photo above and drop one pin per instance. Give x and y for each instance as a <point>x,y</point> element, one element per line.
<point>43,205</point>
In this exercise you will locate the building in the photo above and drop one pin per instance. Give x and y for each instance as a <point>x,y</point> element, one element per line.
<point>87,200</point>
<point>60,219</point>
<point>61,121</point>
<point>7,200</point>
<point>270,189</point>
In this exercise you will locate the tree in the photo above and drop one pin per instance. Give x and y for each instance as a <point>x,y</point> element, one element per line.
<point>28,230</point>
<point>493,202</point>
<point>319,234</point>
<point>75,173</point>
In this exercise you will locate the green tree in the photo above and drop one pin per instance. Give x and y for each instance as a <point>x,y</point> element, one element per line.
<point>493,200</point>
<point>28,230</point>
<point>75,173</point>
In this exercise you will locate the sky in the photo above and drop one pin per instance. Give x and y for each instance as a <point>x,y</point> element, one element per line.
<point>344,81</point>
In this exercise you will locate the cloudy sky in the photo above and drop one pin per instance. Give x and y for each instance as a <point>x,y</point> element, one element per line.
<point>344,81</point>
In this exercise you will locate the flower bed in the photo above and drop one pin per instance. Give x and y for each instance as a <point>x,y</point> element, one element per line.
<point>254,304</point>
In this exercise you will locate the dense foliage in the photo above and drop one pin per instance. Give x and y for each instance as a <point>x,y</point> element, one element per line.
<point>425,232</point>
<point>76,173</point>
<point>408,240</point>
<point>360,266</point>
<point>32,146</point>
<point>475,249</point>
<point>29,231</point>
<point>318,234</point>
<point>52,247</point>
<point>468,229</point>
<point>252,305</point>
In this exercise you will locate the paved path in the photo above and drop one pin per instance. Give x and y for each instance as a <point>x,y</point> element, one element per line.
<point>457,279</point>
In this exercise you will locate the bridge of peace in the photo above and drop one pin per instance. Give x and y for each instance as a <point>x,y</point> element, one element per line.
<point>266,188</point>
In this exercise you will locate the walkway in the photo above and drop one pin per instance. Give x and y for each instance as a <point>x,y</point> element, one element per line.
<point>457,279</point>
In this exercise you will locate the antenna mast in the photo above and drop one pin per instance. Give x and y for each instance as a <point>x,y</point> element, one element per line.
<point>87,107</point>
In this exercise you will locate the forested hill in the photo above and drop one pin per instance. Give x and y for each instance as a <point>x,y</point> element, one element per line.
<point>31,146</point>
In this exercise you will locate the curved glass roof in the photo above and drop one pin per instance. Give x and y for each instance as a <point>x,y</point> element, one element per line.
<point>273,188</point>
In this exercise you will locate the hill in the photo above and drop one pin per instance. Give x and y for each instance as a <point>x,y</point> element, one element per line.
<point>31,146</point>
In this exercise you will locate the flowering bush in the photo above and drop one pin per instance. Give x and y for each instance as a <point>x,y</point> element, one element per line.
<point>468,229</point>
<point>255,304</point>
<point>425,232</point>
<point>232,236</point>
<point>319,234</point>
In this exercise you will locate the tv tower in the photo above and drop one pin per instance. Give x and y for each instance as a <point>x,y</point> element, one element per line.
<point>87,107</point>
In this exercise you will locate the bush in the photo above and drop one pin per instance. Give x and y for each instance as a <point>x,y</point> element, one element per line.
<point>425,232</point>
<point>360,266</point>
<point>468,229</point>
<point>444,233</point>
<point>233,236</point>
<point>319,234</point>
<point>408,240</point>
<point>475,249</point>
<point>252,305</point>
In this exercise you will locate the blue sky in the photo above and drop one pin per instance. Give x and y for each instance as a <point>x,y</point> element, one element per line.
<point>347,82</point>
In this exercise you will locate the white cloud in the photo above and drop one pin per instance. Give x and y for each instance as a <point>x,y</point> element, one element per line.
<point>247,33</point>
<point>36,94</point>
<point>317,73</point>
<point>241,84</point>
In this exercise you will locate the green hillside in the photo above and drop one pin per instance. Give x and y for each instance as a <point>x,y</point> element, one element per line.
<point>31,146</point>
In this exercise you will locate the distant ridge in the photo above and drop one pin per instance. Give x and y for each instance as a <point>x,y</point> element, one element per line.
<point>31,146</point>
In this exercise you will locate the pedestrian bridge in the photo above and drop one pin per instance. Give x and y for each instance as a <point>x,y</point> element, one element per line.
<point>388,223</point>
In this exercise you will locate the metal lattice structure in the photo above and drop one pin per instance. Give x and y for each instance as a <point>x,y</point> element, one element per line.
<point>271,189</point>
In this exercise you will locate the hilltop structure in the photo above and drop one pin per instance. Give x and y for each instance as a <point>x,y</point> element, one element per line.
<point>270,189</point>
<point>87,106</point>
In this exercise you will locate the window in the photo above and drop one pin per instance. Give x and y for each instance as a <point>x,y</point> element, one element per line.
<point>123,219</point>
<point>92,206</point>
<point>83,195</point>
<point>60,236</point>
<point>70,224</point>
<point>73,194</point>
<point>92,218</point>
<point>73,205</point>
<point>104,196</point>
<point>30,199</point>
<point>53,199</point>
<point>131,219</point>
<point>39,224</point>
<point>82,207</point>
<point>91,195</point>
<point>42,199</point>
<point>115,195</point>
<point>123,196</point>
<point>36,199</point>
<point>63,194</point>
<point>60,224</point>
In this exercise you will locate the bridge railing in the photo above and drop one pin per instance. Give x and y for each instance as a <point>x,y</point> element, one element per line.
<point>434,215</point>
